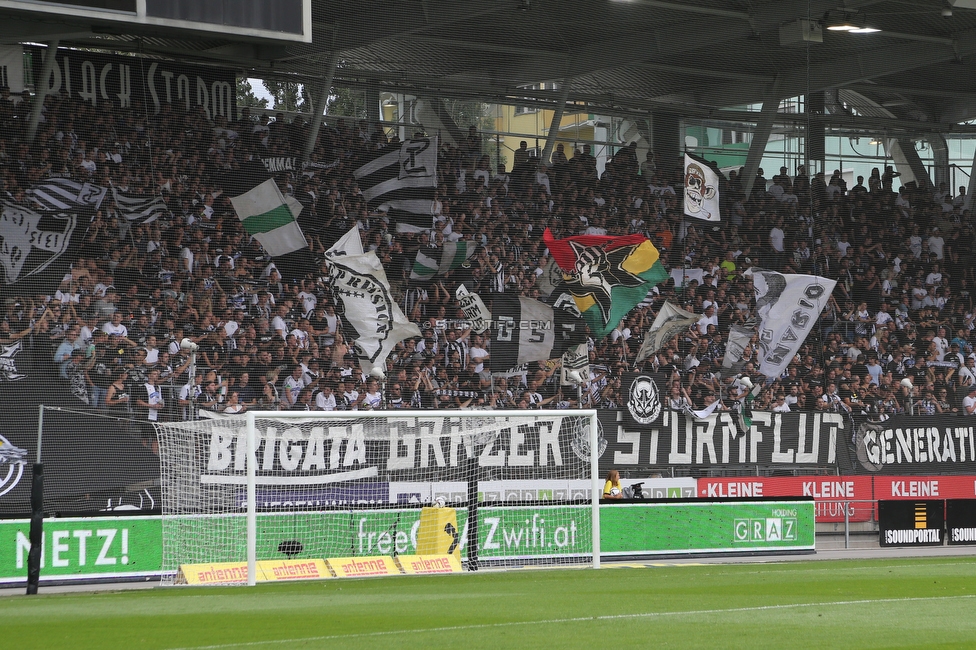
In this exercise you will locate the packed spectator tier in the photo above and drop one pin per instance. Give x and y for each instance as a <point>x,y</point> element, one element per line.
<point>902,307</point>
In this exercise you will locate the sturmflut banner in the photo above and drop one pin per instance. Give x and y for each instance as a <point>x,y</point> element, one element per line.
<point>675,439</point>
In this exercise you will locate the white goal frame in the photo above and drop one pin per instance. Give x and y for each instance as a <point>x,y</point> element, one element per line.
<point>596,487</point>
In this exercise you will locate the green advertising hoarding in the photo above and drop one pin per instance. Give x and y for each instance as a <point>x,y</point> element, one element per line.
<point>84,548</point>
<point>127,547</point>
<point>706,527</point>
<point>504,532</point>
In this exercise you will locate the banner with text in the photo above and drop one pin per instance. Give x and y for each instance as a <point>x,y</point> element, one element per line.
<point>84,549</point>
<point>931,444</point>
<point>831,494</point>
<point>125,81</point>
<point>656,437</point>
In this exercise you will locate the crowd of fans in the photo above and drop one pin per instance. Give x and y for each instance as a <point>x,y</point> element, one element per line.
<point>113,328</point>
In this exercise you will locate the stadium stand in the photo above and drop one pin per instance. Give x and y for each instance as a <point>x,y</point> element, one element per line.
<point>902,306</point>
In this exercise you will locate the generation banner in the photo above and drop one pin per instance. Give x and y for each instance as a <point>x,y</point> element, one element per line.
<point>932,444</point>
<point>96,78</point>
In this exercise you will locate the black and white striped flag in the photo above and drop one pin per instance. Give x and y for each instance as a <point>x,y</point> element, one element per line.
<point>138,209</point>
<point>59,194</point>
<point>522,331</point>
<point>403,182</point>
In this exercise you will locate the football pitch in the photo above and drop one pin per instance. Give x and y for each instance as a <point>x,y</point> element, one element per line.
<point>891,603</point>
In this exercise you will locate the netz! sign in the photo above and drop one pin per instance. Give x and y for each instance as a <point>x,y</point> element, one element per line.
<point>675,438</point>
<point>308,453</point>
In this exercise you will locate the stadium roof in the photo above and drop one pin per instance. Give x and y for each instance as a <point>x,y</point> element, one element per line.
<point>692,57</point>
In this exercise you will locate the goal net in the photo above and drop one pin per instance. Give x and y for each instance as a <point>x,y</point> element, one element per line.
<point>516,487</point>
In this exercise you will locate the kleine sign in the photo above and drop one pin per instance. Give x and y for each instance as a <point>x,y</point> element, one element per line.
<point>829,493</point>
<point>925,487</point>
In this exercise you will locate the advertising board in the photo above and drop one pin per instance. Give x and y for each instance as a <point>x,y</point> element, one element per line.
<point>911,522</point>
<point>960,521</point>
<point>924,487</point>
<point>831,494</point>
<point>84,548</point>
<point>706,527</point>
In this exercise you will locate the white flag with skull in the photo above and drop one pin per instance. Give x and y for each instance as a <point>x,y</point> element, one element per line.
<point>701,190</point>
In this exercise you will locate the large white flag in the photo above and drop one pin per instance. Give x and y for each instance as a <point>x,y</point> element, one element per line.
<point>375,323</point>
<point>474,309</point>
<point>270,218</point>
<point>701,190</point>
<point>670,321</point>
<point>788,306</point>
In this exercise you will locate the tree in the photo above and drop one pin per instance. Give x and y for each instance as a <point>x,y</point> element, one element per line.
<point>348,102</point>
<point>246,96</point>
<point>288,96</point>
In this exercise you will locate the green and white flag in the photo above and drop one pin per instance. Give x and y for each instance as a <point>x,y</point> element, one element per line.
<point>271,218</point>
<point>439,261</point>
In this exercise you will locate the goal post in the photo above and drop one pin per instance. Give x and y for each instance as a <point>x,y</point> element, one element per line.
<point>517,487</point>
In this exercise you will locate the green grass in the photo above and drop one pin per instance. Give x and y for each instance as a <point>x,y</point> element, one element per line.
<point>898,603</point>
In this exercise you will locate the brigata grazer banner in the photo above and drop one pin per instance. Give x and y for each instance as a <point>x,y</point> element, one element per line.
<point>311,451</point>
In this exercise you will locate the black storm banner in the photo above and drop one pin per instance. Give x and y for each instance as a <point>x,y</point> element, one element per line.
<point>96,78</point>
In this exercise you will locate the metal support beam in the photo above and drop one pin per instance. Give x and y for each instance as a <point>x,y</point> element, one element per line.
<point>40,88</point>
<point>373,105</point>
<point>906,161</point>
<point>760,137</point>
<point>675,6</point>
<point>940,156</point>
<point>557,118</point>
<point>972,186</point>
<point>321,103</point>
